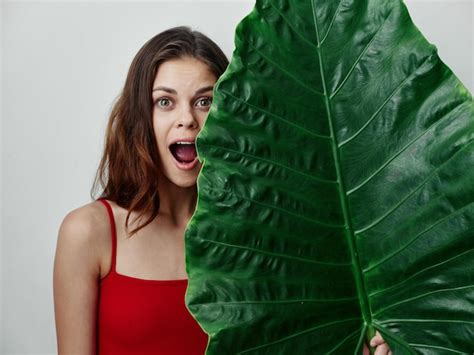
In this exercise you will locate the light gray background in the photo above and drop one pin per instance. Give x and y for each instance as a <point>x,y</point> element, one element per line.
<point>63,63</point>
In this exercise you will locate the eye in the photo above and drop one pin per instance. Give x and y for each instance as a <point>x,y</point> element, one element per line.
<point>204,101</point>
<point>163,102</point>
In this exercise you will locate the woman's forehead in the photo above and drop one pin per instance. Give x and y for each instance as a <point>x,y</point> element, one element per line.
<point>183,72</point>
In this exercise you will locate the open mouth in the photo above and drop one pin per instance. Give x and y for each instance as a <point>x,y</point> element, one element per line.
<point>183,152</point>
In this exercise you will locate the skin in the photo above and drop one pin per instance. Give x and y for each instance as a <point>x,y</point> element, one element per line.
<point>182,94</point>
<point>381,348</point>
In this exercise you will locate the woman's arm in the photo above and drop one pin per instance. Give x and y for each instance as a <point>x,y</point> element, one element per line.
<point>75,284</point>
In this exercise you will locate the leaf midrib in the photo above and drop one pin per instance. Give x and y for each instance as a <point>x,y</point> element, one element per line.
<point>349,232</point>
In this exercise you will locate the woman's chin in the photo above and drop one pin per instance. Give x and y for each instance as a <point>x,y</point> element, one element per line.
<point>185,179</point>
<point>185,183</point>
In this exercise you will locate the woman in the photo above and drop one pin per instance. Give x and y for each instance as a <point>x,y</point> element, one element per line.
<point>127,296</point>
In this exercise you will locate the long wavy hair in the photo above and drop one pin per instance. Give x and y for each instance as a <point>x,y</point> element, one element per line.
<point>128,169</point>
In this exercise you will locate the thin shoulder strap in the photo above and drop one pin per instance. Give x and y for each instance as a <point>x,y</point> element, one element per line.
<point>114,232</point>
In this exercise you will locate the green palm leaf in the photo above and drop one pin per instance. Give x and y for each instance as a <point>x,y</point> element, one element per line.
<point>337,188</point>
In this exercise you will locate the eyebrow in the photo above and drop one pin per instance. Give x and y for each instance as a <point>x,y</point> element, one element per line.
<point>173,91</point>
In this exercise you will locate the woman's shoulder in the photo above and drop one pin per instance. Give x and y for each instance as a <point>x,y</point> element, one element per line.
<point>86,221</point>
<point>85,231</point>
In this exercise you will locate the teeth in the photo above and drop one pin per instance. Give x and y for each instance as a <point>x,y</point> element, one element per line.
<point>184,143</point>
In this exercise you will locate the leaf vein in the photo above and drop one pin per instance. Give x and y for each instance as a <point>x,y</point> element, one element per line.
<point>270,162</point>
<point>297,215</point>
<point>418,273</point>
<point>423,183</point>
<point>276,116</point>
<point>349,230</point>
<point>343,341</point>
<point>437,347</point>
<point>324,325</point>
<point>288,74</point>
<point>401,320</point>
<point>408,300</point>
<point>375,114</point>
<point>387,163</point>
<point>359,58</point>
<point>285,256</point>
<point>332,22</point>
<point>311,44</point>
<point>309,300</point>
<point>398,251</point>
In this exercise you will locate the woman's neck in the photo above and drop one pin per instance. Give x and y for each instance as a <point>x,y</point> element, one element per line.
<point>176,203</point>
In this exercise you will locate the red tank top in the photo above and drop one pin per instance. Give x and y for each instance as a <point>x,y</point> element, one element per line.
<point>138,316</point>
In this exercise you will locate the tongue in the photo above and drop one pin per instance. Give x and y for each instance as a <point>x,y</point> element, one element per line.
<point>185,153</point>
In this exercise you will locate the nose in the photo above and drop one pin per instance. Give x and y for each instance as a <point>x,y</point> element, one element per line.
<point>187,119</point>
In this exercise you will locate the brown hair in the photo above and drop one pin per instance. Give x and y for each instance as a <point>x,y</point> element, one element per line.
<point>128,168</point>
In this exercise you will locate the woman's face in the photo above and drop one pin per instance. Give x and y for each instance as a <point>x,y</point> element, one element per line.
<point>182,96</point>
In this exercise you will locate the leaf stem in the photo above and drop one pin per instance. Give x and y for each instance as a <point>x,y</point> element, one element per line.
<point>369,335</point>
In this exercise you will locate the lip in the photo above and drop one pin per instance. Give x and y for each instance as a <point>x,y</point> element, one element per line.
<point>184,166</point>
<point>189,139</point>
